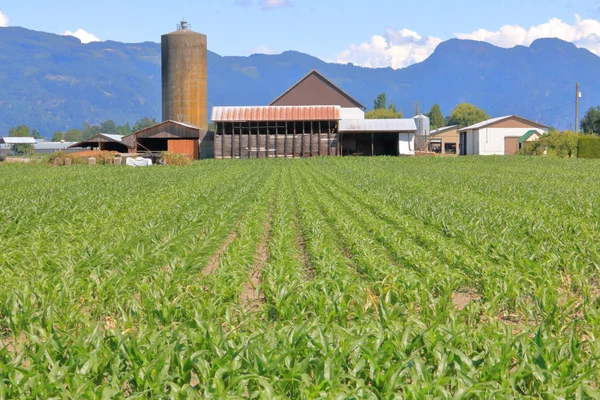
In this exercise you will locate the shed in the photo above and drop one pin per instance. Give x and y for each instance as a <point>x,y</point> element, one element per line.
<point>8,145</point>
<point>528,138</point>
<point>378,137</point>
<point>52,147</point>
<point>496,136</point>
<point>105,142</point>
<point>444,140</point>
<point>176,137</point>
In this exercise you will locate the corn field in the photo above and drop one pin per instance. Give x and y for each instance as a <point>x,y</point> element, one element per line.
<point>341,278</point>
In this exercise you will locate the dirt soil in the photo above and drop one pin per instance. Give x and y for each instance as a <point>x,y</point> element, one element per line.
<point>250,294</point>
<point>214,261</point>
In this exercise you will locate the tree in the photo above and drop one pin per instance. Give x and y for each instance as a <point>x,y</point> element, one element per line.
<point>591,121</point>
<point>466,114</point>
<point>108,126</point>
<point>73,135</point>
<point>143,124</point>
<point>436,118</point>
<point>124,129</point>
<point>58,136</point>
<point>380,102</point>
<point>94,130</point>
<point>562,144</point>
<point>36,134</point>
<point>383,113</point>
<point>19,131</point>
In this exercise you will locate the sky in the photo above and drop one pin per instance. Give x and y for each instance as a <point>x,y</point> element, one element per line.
<point>377,33</point>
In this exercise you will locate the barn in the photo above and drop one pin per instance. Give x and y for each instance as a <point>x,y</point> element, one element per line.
<point>312,118</point>
<point>106,142</point>
<point>175,137</point>
<point>496,136</point>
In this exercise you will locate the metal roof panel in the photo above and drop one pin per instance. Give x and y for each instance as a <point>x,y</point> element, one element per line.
<point>274,113</point>
<point>378,125</point>
<point>18,140</point>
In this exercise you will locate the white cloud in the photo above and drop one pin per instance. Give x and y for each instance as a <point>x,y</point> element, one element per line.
<point>401,48</point>
<point>583,33</point>
<point>272,4</point>
<point>83,36</point>
<point>3,19</point>
<point>397,49</point>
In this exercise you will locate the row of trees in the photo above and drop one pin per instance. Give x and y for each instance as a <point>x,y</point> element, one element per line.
<point>466,114</point>
<point>86,130</point>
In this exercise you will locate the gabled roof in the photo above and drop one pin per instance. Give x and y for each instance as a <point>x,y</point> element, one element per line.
<point>321,89</point>
<point>169,129</point>
<point>527,135</point>
<point>273,113</point>
<point>114,137</point>
<point>100,138</point>
<point>493,121</point>
<point>444,129</point>
<point>18,140</point>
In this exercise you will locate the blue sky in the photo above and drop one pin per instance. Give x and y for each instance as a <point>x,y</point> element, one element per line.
<point>376,33</point>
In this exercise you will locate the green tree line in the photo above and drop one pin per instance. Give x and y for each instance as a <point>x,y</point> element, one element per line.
<point>85,131</point>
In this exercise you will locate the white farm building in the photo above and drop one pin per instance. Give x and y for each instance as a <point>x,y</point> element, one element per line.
<point>496,136</point>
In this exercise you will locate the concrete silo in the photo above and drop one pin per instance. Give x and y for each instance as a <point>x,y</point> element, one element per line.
<point>184,77</point>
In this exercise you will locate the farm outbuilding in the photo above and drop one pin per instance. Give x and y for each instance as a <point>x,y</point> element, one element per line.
<point>528,138</point>
<point>496,136</point>
<point>175,137</point>
<point>378,137</point>
<point>43,147</point>
<point>270,131</point>
<point>444,140</point>
<point>106,142</point>
<point>312,118</point>
<point>9,145</point>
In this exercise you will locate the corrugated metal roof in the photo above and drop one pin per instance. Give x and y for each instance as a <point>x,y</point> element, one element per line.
<point>115,137</point>
<point>444,129</point>
<point>52,145</point>
<point>486,123</point>
<point>18,140</point>
<point>274,113</point>
<point>378,125</point>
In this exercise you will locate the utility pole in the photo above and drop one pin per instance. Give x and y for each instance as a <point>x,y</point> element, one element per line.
<point>577,97</point>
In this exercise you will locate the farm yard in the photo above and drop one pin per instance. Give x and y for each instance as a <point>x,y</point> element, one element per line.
<point>316,278</point>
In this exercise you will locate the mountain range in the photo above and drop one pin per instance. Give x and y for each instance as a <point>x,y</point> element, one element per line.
<point>52,82</point>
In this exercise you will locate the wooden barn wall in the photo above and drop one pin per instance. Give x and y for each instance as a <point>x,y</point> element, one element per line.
<point>186,147</point>
<point>280,146</point>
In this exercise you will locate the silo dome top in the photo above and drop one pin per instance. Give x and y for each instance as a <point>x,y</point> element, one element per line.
<point>183,26</point>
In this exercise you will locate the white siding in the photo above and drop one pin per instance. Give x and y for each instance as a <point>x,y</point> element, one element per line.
<point>491,140</point>
<point>352,113</point>
<point>406,144</point>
